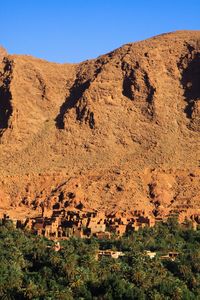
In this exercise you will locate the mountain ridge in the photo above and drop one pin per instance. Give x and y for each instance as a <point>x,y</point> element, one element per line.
<point>130,118</point>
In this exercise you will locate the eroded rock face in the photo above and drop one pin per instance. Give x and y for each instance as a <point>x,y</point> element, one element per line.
<point>3,53</point>
<point>121,130</point>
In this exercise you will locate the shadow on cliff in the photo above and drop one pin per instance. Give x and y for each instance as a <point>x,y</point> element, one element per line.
<point>6,108</point>
<point>76,93</point>
<point>191,83</point>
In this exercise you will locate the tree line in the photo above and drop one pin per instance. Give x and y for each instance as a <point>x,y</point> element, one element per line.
<point>31,269</point>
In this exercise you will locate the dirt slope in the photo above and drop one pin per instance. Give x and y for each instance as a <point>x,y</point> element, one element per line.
<point>120,132</point>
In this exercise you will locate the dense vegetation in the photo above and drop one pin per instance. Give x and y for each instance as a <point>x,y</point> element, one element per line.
<point>30,269</point>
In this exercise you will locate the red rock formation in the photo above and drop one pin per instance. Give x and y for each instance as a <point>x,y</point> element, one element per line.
<point>3,53</point>
<point>120,132</point>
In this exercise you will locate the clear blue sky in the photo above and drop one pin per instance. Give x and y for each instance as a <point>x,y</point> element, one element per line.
<point>76,30</point>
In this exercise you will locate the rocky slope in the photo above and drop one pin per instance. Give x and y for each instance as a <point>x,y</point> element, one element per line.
<point>118,133</point>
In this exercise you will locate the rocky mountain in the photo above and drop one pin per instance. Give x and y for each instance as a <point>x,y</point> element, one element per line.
<point>117,133</point>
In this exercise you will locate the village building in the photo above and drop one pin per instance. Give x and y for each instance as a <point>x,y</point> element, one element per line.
<point>170,256</point>
<point>150,254</point>
<point>96,225</point>
<point>56,246</point>
<point>109,253</point>
<point>103,235</point>
<point>38,229</point>
<point>65,223</point>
